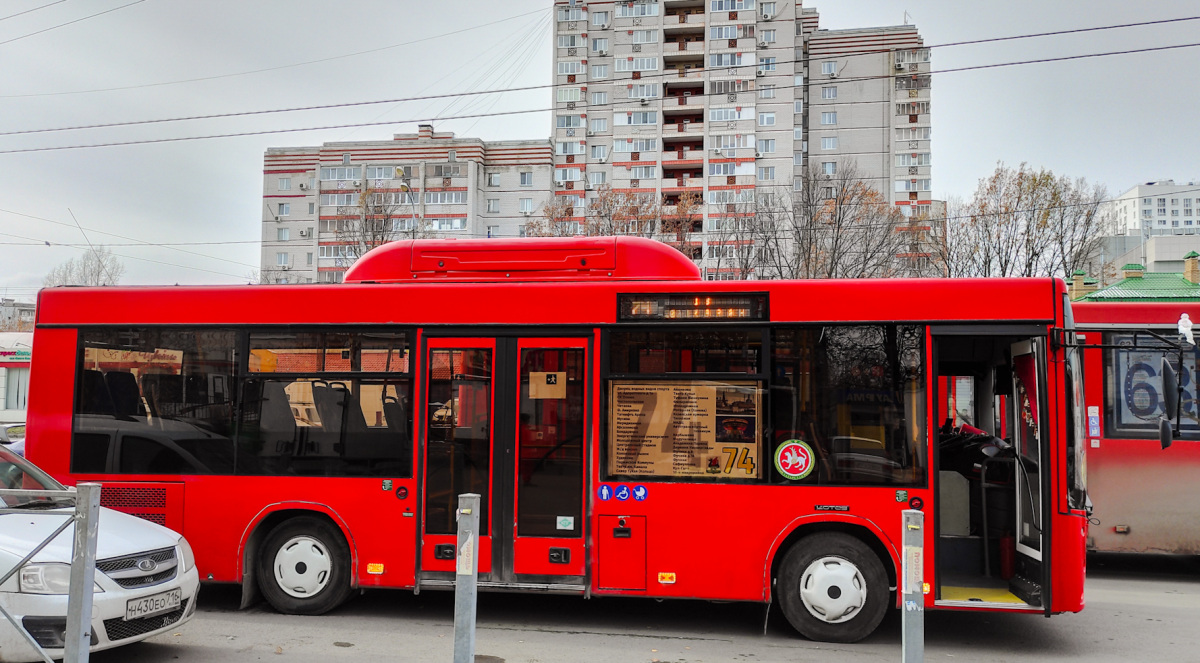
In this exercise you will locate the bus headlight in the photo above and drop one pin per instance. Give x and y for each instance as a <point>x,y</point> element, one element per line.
<point>48,579</point>
<point>185,551</point>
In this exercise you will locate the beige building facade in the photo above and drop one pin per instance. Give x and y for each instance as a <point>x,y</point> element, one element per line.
<point>441,186</point>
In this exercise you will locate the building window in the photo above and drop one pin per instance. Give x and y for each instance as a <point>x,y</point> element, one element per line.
<point>339,174</point>
<point>345,158</point>
<point>312,208</point>
<point>309,261</point>
<point>798,159</point>
<point>285,209</point>
<point>567,68</point>
<point>829,143</point>
<point>766,92</point>
<point>767,35</point>
<point>766,172</point>
<point>599,152</point>
<point>766,119</point>
<point>285,183</point>
<point>570,147</point>
<point>637,64</point>
<point>724,114</point>
<point>766,146</point>
<point>644,91</point>
<point>381,172</point>
<point>493,179</point>
<point>767,64</point>
<point>829,92</point>
<point>829,167</point>
<point>723,168</point>
<point>493,205</point>
<point>527,204</point>
<point>828,68</point>
<point>527,178</point>
<point>829,118</point>
<point>645,36</point>
<point>768,8</point>
<point>570,41</point>
<point>569,94</point>
<point>283,234</point>
<point>597,177</point>
<point>798,106</point>
<point>599,98</point>
<point>445,197</point>
<point>599,71</point>
<point>643,172</point>
<point>600,124</point>
<point>600,18</point>
<point>281,260</point>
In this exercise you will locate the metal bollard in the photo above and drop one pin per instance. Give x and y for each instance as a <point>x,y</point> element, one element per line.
<point>83,574</point>
<point>912,616</point>
<point>466,575</point>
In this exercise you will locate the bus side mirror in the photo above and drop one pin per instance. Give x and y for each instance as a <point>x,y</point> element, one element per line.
<point>1165,434</point>
<point>1170,385</point>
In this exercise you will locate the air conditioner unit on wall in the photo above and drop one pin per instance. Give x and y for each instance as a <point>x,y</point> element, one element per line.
<point>833,74</point>
<point>763,44</point>
<point>303,186</point>
<point>899,66</point>
<point>603,54</point>
<point>304,233</point>
<point>645,102</point>
<point>761,73</point>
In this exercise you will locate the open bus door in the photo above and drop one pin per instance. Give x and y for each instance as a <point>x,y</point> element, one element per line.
<point>992,520</point>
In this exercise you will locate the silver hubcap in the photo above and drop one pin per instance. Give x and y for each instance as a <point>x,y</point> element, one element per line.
<point>833,590</point>
<point>302,567</point>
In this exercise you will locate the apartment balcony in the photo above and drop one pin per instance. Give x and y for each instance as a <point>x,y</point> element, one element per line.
<point>731,180</point>
<point>672,126</point>
<point>742,45</point>
<point>684,43</point>
<point>693,152</point>
<point>682,18</point>
<point>683,72</point>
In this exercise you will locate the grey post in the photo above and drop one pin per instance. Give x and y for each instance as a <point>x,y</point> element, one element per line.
<point>83,574</point>
<point>466,572</point>
<point>912,587</point>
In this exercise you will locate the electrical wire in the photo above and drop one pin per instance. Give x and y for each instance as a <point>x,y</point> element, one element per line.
<point>276,68</point>
<point>643,77</point>
<point>264,132</point>
<point>78,20</point>
<point>30,11</point>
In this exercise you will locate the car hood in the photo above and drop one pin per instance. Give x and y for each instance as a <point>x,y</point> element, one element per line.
<point>119,534</point>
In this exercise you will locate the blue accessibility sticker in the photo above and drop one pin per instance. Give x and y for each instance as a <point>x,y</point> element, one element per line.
<point>623,492</point>
<point>640,493</point>
<point>605,493</point>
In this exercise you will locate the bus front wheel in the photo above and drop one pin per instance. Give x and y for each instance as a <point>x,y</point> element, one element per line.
<point>304,567</point>
<point>832,588</point>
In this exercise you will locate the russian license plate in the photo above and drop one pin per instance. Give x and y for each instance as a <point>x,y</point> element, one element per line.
<point>148,606</point>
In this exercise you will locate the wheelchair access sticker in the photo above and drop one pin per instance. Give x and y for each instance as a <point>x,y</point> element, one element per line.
<point>794,459</point>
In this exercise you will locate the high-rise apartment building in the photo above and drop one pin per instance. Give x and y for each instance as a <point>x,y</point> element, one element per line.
<point>731,99</point>
<point>432,184</point>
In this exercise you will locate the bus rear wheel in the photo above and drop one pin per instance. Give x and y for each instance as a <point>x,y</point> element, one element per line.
<point>832,588</point>
<point>304,567</point>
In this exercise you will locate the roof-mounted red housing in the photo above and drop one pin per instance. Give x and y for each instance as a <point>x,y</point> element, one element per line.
<point>531,259</point>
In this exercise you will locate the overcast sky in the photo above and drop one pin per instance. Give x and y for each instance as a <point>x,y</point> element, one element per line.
<point>1116,120</point>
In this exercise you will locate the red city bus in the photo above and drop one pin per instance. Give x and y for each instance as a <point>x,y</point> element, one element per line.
<point>633,430</point>
<point>1145,496</point>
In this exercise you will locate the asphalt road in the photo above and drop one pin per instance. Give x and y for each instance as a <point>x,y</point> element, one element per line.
<point>1139,608</point>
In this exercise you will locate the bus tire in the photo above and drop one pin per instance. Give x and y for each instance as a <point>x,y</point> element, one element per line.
<point>304,567</point>
<point>832,588</point>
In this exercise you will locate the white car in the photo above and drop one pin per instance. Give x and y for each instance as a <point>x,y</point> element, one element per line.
<point>146,578</point>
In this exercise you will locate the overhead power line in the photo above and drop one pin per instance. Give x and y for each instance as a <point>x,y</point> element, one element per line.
<point>78,20</point>
<point>30,11</point>
<point>270,69</point>
<point>265,132</point>
<point>644,76</point>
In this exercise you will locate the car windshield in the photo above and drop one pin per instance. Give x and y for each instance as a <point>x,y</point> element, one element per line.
<point>16,473</point>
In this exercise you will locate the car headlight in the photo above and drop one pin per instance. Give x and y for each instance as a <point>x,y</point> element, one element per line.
<point>48,579</point>
<point>189,558</point>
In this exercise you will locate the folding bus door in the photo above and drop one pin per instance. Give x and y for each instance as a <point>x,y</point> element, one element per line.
<point>458,431</point>
<point>1029,429</point>
<point>548,478</point>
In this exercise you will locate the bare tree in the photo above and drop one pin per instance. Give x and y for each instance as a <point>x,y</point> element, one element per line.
<point>609,213</point>
<point>838,226</point>
<point>97,266</point>
<point>679,219</point>
<point>1022,222</point>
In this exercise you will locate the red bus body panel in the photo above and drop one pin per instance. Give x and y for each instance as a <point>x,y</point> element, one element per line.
<point>1149,493</point>
<point>698,540</point>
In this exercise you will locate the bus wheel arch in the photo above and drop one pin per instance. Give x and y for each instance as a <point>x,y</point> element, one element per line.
<point>331,534</point>
<point>833,580</point>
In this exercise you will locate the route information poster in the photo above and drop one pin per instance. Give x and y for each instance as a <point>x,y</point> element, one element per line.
<point>684,429</point>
